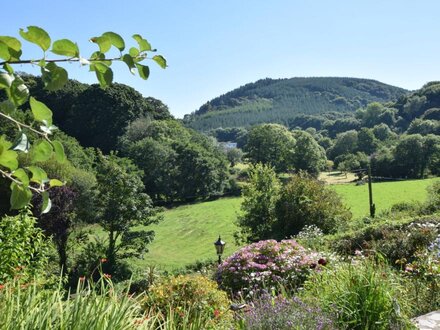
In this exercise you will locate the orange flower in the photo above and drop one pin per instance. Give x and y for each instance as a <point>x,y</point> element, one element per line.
<point>2,286</point>
<point>216,313</point>
<point>82,278</point>
<point>107,276</point>
<point>104,260</point>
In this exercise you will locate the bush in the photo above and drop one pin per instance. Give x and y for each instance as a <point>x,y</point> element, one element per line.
<point>395,243</point>
<point>363,295</point>
<point>306,201</point>
<point>433,203</point>
<point>188,297</point>
<point>279,313</point>
<point>23,248</point>
<point>266,265</point>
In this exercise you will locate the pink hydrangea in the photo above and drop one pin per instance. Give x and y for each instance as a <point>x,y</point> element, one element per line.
<point>266,265</point>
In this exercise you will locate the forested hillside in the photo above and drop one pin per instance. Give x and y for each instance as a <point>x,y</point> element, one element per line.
<point>281,100</point>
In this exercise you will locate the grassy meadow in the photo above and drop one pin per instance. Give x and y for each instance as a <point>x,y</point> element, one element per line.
<point>187,233</point>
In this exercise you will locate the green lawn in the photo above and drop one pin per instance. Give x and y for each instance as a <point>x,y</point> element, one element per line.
<point>385,194</point>
<point>188,232</point>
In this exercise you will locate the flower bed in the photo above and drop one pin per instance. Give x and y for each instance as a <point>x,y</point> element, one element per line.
<point>268,265</point>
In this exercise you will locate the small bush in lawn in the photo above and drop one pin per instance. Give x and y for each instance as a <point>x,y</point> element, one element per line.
<point>279,313</point>
<point>267,264</point>
<point>190,297</point>
<point>364,294</point>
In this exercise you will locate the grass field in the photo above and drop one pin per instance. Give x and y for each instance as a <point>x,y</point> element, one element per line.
<point>188,232</point>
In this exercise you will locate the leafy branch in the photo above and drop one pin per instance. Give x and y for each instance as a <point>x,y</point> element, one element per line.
<point>54,77</point>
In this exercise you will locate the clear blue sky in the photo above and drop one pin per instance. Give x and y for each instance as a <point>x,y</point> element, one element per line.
<point>215,46</point>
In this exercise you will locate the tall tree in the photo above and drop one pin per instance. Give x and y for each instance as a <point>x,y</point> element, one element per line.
<point>123,205</point>
<point>308,155</point>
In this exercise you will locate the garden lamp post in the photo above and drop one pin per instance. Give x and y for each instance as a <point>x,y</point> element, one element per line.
<point>219,248</point>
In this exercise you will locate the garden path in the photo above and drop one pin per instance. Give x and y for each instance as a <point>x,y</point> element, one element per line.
<point>430,321</point>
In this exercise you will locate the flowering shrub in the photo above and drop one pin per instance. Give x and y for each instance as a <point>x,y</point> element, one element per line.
<point>190,294</point>
<point>268,264</point>
<point>279,313</point>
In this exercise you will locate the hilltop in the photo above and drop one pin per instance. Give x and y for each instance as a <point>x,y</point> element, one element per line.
<point>281,100</point>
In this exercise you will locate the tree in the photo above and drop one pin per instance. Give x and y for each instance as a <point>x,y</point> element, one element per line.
<point>123,205</point>
<point>367,143</point>
<point>234,156</point>
<point>270,144</point>
<point>57,223</point>
<point>346,143</point>
<point>308,155</point>
<point>408,155</point>
<point>54,77</point>
<point>258,205</point>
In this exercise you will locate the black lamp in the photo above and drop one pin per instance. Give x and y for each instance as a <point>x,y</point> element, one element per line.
<point>219,247</point>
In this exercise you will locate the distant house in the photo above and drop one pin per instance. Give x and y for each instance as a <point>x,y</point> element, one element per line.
<point>228,145</point>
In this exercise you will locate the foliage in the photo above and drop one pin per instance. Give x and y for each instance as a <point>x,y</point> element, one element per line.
<point>308,155</point>
<point>178,163</point>
<point>266,265</point>
<point>281,313</point>
<point>281,100</point>
<point>23,248</point>
<point>234,156</point>
<point>192,295</point>
<point>57,223</point>
<point>258,206</point>
<point>122,206</point>
<point>40,123</point>
<point>423,275</point>
<point>307,201</point>
<point>364,294</point>
<point>94,306</point>
<point>270,144</point>
<point>433,202</point>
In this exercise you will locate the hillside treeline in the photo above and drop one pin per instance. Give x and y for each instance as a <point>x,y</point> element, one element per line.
<point>282,100</point>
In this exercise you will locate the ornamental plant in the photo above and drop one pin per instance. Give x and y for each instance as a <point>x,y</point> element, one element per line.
<point>268,265</point>
<point>187,298</point>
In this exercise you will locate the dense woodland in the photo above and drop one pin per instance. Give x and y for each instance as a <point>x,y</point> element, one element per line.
<point>282,100</point>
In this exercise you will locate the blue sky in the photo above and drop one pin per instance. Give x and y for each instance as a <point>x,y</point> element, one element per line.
<point>215,46</point>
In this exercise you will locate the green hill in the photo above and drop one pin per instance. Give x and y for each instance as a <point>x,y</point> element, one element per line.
<point>281,100</point>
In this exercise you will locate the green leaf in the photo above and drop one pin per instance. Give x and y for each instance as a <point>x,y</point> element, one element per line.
<point>134,52</point>
<point>37,36</point>
<point>18,93</point>
<point>55,183</point>
<point>7,107</point>
<point>129,61</point>
<point>60,156</point>
<point>103,42</point>
<point>42,151</point>
<point>47,204</point>
<point>21,175</point>
<point>144,71</point>
<point>8,158</point>
<point>104,74</point>
<point>40,111</point>
<point>20,196</point>
<point>159,59</point>
<point>144,45</point>
<point>6,80</point>
<point>10,48</point>
<point>116,40</point>
<point>8,68</point>
<point>65,47</point>
<point>38,175</point>
<point>54,76</point>
<point>21,143</point>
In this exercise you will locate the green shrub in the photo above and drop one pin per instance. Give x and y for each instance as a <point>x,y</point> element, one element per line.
<point>433,203</point>
<point>364,295</point>
<point>23,248</point>
<point>394,242</point>
<point>190,297</point>
<point>305,201</point>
